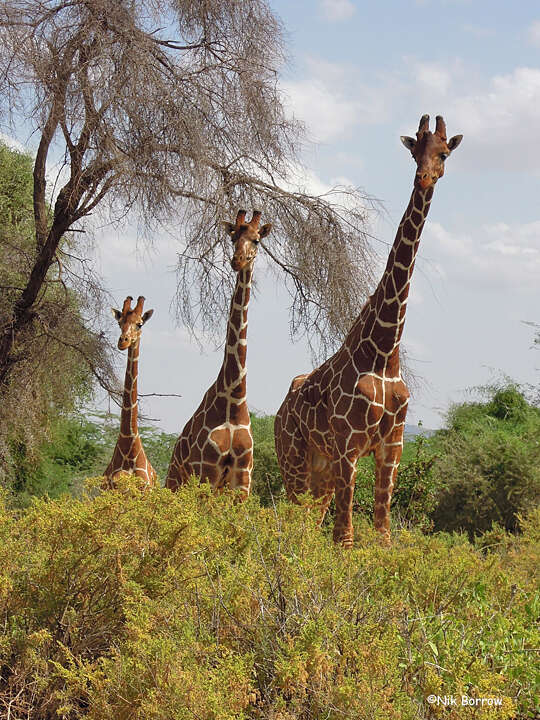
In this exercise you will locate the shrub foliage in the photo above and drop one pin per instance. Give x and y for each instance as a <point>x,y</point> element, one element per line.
<point>488,466</point>
<point>129,604</point>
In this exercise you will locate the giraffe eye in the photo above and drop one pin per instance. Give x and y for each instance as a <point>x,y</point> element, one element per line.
<point>444,156</point>
<point>139,324</point>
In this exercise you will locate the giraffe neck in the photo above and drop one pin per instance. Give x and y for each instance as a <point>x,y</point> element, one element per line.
<point>377,332</point>
<point>232,377</point>
<point>128,418</point>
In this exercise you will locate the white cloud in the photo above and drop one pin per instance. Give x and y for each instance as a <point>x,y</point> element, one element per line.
<point>444,3</point>
<point>180,338</point>
<point>493,257</point>
<point>533,33</point>
<point>332,99</point>
<point>432,78</point>
<point>493,113</point>
<point>14,144</point>
<point>121,253</point>
<point>479,31</point>
<point>327,114</point>
<point>496,119</point>
<point>337,10</point>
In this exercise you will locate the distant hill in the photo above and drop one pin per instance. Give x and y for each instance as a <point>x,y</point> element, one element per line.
<point>411,431</point>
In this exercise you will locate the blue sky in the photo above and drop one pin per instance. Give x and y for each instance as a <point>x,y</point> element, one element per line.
<point>360,75</point>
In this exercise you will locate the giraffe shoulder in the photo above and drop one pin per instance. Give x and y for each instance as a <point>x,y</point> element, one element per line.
<point>297,382</point>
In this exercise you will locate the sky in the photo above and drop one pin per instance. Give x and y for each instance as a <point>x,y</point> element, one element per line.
<point>360,75</point>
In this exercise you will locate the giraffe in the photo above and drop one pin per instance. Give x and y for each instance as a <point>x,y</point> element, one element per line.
<point>128,455</point>
<point>216,444</point>
<point>355,403</point>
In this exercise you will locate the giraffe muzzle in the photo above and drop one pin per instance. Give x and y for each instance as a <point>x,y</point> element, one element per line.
<point>425,180</point>
<point>239,262</point>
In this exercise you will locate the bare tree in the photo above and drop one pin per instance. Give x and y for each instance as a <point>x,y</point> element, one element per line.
<point>173,109</point>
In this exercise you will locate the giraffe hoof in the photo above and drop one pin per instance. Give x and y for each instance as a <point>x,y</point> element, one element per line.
<point>345,539</point>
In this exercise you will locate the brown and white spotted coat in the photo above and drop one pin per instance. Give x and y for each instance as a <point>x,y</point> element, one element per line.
<point>355,403</point>
<point>216,445</point>
<point>129,455</point>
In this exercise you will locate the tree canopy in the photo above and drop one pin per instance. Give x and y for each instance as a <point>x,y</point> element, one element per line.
<point>173,110</point>
<point>58,354</point>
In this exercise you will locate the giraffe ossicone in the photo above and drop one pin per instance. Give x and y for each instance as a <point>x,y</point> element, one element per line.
<point>128,455</point>
<point>355,403</point>
<point>216,444</point>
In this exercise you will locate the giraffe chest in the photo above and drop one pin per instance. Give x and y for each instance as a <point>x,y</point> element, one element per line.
<point>365,407</point>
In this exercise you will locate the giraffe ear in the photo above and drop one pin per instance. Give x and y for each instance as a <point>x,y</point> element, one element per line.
<point>147,315</point>
<point>265,230</point>
<point>116,314</point>
<point>409,142</point>
<point>454,142</point>
<point>229,227</point>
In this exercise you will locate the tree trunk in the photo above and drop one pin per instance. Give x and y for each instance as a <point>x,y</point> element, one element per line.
<point>23,313</point>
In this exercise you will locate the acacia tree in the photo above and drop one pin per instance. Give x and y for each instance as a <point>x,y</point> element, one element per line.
<point>49,376</point>
<point>173,109</point>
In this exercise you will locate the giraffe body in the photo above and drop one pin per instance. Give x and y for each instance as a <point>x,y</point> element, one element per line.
<point>128,455</point>
<point>216,445</point>
<point>355,403</point>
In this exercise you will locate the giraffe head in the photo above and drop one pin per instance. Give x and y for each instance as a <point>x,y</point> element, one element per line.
<point>130,321</point>
<point>430,150</point>
<point>246,237</point>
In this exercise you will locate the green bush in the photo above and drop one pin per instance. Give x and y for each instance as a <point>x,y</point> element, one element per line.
<point>165,606</point>
<point>58,465</point>
<point>488,464</point>
<point>76,447</point>
<point>266,480</point>
<point>484,469</point>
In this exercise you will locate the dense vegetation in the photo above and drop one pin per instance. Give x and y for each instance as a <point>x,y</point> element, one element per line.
<point>488,466</point>
<point>78,446</point>
<point>128,604</point>
<point>134,605</point>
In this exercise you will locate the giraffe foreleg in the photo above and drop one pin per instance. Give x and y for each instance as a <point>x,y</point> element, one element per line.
<point>387,458</point>
<point>177,474</point>
<point>344,472</point>
<point>322,483</point>
<point>239,480</point>
<point>292,456</point>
